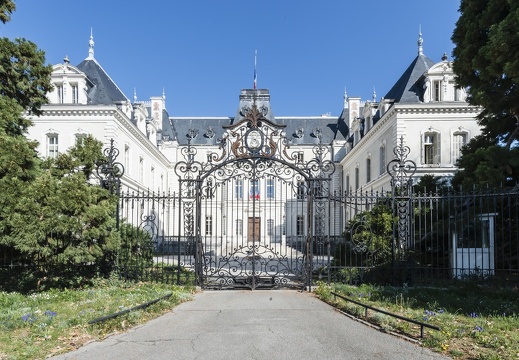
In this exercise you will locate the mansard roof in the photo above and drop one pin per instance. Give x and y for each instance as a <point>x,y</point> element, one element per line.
<point>299,130</point>
<point>104,90</point>
<point>303,130</point>
<point>168,132</point>
<point>208,129</point>
<point>406,89</point>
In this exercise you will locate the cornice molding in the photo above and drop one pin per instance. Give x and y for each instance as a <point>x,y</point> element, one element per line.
<point>109,111</point>
<point>435,109</point>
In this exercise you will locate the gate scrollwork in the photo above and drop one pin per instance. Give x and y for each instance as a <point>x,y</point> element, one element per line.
<point>253,149</point>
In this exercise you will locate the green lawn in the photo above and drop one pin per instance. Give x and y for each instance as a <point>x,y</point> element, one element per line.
<point>477,322</point>
<point>56,321</point>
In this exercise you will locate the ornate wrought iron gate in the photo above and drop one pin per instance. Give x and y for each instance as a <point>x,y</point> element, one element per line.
<point>254,210</point>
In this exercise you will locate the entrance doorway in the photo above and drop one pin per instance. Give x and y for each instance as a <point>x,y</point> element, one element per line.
<point>253,229</point>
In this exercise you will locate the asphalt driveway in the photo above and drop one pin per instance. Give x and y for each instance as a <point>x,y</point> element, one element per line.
<point>264,324</point>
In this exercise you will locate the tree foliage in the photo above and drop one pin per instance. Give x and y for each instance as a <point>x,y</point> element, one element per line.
<point>23,74</point>
<point>486,62</point>
<point>50,211</point>
<point>64,219</point>
<point>487,164</point>
<point>6,9</point>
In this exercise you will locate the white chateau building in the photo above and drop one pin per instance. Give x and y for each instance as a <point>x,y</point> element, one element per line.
<point>424,108</point>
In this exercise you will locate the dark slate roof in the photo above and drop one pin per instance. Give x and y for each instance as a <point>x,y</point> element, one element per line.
<point>302,130</point>
<point>168,132</point>
<point>406,89</point>
<point>209,129</point>
<point>342,125</point>
<point>104,91</point>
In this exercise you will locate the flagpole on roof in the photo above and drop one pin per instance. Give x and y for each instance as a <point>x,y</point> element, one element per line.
<point>255,74</point>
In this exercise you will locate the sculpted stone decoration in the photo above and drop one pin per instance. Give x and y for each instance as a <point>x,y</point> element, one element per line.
<point>209,133</point>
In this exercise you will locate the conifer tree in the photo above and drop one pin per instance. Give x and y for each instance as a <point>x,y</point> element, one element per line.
<point>486,62</point>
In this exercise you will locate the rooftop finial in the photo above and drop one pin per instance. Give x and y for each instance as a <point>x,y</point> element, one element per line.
<point>91,46</point>
<point>134,95</point>
<point>374,95</point>
<point>66,60</point>
<point>163,94</point>
<point>345,99</point>
<point>420,42</point>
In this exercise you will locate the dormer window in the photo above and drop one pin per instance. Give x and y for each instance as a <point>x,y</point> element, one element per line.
<point>75,94</point>
<point>437,95</point>
<point>61,93</point>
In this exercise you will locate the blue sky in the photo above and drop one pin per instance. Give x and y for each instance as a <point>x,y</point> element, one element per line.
<point>202,51</point>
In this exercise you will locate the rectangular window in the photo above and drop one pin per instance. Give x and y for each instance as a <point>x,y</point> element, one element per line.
<point>75,95</point>
<point>152,178</point>
<point>161,183</point>
<point>239,227</point>
<point>300,225</point>
<point>80,139</point>
<point>254,192</point>
<point>431,149</point>
<point>301,190</point>
<point>437,90</point>
<point>238,189</point>
<point>458,141</point>
<point>270,189</point>
<point>127,158</point>
<point>61,94</point>
<point>319,188</point>
<point>209,189</point>
<point>141,169</point>
<point>382,160</point>
<point>52,146</point>
<point>357,178</point>
<point>319,225</point>
<point>348,183</point>
<point>208,225</point>
<point>368,170</point>
<point>270,227</point>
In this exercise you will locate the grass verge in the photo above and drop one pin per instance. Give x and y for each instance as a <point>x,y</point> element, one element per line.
<point>476,322</point>
<point>52,322</point>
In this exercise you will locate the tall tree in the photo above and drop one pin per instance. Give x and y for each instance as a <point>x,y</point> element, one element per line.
<point>24,81</point>
<point>65,219</point>
<point>6,9</point>
<point>486,62</point>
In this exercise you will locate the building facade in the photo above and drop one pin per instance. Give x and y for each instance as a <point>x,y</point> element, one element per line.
<point>423,110</point>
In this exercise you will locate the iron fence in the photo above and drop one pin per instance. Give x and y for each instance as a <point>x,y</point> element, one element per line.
<point>452,236</point>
